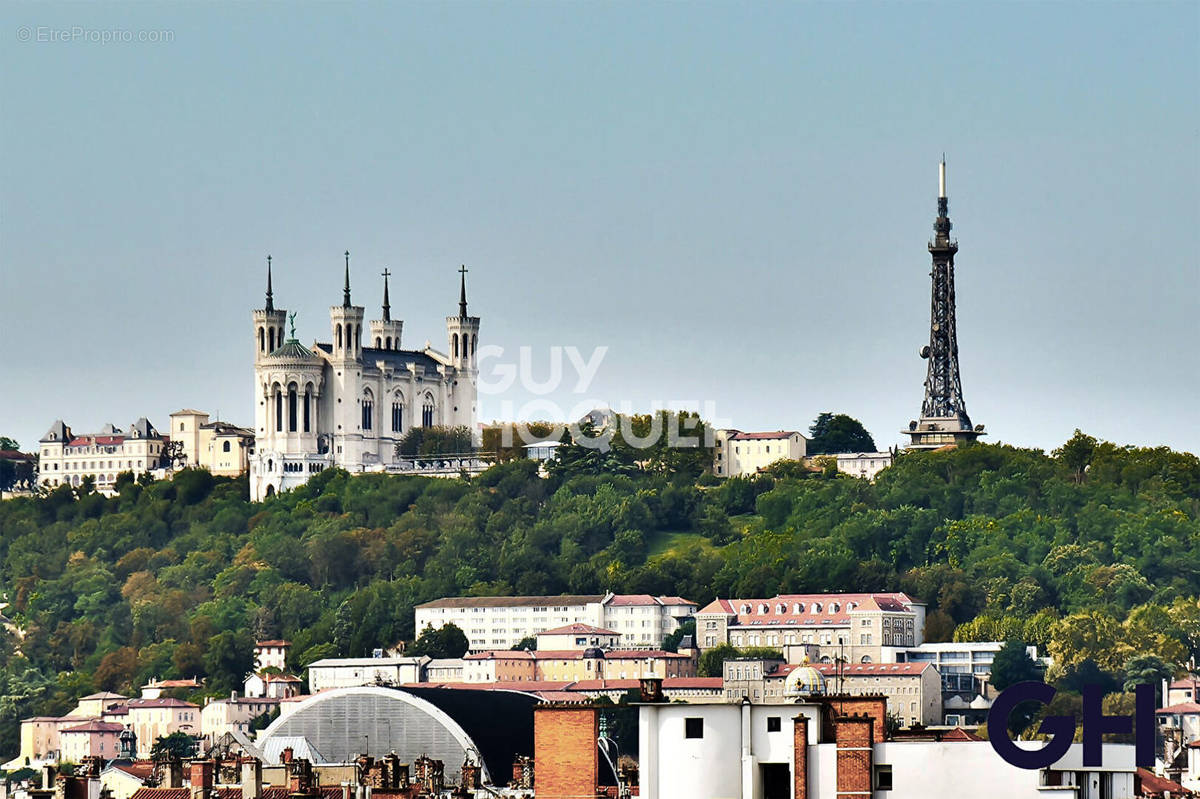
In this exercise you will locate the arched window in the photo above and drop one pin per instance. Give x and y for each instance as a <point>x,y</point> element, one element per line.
<point>337,333</point>
<point>377,342</point>
<point>427,411</point>
<point>225,447</point>
<point>387,343</point>
<point>292,408</point>
<point>308,408</point>
<point>454,345</point>
<point>271,340</point>
<point>262,339</point>
<point>397,414</point>
<point>474,339</point>
<point>368,410</point>
<point>278,409</point>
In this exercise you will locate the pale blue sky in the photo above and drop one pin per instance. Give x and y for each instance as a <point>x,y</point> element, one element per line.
<point>733,198</point>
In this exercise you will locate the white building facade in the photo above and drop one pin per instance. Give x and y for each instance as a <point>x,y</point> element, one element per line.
<point>642,620</point>
<point>748,751</point>
<point>347,403</point>
<point>857,627</point>
<point>866,465</point>
<point>739,454</point>
<point>66,458</point>
<point>329,673</point>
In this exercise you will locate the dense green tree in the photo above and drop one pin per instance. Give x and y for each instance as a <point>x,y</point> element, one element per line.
<point>177,744</point>
<point>1147,669</point>
<point>671,642</point>
<point>447,641</point>
<point>1012,664</point>
<point>831,433</point>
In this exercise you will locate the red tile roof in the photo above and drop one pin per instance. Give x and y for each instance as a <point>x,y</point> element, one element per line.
<point>959,734</point>
<point>1183,708</point>
<point>762,436</point>
<point>165,701</point>
<point>141,769</point>
<point>615,654</point>
<point>281,678</point>
<point>749,612</point>
<point>96,726</point>
<point>578,629</point>
<point>1152,785</point>
<point>87,441</point>
<point>511,601</point>
<point>273,643</point>
<point>501,654</point>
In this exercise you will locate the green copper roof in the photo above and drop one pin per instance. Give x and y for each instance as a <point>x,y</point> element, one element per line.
<point>293,350</point>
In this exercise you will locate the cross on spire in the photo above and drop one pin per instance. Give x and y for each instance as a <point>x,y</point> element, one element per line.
<point>346,290</point>
<point>270,299</point>
<point>387,308</point>
<point>462,296</point>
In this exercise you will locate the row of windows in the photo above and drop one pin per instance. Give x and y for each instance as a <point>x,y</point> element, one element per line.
<point>454,345</point>
<point>269,339</point>
<point>85,466</point>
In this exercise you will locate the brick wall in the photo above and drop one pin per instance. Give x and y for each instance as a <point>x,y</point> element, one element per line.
<point>564,752</point>
<point>873,706</point>
<point>855,736</point>
<point>800,757</point>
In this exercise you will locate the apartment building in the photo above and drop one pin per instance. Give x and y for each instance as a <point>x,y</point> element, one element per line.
<point>857,628</point>
<point>642,620</point>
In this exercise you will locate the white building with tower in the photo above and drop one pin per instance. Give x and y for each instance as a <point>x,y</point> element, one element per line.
<point>347,403</point>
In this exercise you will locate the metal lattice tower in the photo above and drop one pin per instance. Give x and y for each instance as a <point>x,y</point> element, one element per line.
<point>944,418</point>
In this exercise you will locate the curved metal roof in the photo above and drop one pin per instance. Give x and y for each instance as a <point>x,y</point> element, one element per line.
<point>445,724</point>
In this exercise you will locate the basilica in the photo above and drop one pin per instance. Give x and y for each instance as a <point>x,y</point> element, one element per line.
<point>347,402</point>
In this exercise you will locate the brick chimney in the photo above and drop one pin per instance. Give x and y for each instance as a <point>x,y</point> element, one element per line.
<point>251,778</point>
<point>800,764</point>
<point>200,777</point>
<point>564,748</point>
<point>287,755</point>
<point>855,737</point>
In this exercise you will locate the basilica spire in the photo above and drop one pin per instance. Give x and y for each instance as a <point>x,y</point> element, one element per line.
<point>462,295</point>
<point>346,290</point>
<point>270,298</point>
<point>387,307</point>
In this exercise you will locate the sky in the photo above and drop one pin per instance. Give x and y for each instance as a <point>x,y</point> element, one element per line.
<point>728,204</point>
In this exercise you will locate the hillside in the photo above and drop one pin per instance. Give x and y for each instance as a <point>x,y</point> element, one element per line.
<point>1093,552</point>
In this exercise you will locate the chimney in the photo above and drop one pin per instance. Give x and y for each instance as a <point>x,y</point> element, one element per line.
<point>800,757</point>
<point>287,755</point>
<point>174,773</point>
<point>855,754</point>
<point>651,689</point>
<point>251,778</point>
<point>201,779</point>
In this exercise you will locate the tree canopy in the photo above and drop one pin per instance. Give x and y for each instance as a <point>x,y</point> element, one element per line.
<point>832,433</point>
<point>175,579</point>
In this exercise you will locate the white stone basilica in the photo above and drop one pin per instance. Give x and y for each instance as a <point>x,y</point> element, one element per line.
<point>345,404</point>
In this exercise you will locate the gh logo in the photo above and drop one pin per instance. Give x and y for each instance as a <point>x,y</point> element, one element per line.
<point>1061,729</point>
